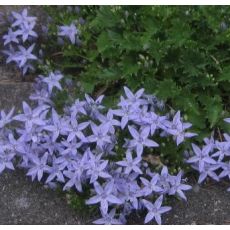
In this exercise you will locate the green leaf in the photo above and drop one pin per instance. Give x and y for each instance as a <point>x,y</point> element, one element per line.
<point>109,74</point>
<point>187,103</point>
<point>115,36</point>
<point>213,111</point>
<point>88,86</point>
<point>106,17</point>
<point>129,65</point>
<point>150,85</point>
<point>167,89</point>
<point>225,75</point>
<point>103,42</point>
<point>213,108</point>
<point>156,51</point>
<point>198,121</point>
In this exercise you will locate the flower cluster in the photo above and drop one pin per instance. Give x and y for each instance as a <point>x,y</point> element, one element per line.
<point>19,41</point>
<point>22,46</point>
<point>78,148</point>
<point>212,159</point>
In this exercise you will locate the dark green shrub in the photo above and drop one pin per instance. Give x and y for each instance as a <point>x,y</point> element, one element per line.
<point>180,53</point>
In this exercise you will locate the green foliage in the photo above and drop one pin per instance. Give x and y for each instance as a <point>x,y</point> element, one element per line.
<point>179,53</point>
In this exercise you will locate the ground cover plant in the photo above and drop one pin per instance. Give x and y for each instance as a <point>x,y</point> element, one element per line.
<point>128,150</point>
<point>89,147</point>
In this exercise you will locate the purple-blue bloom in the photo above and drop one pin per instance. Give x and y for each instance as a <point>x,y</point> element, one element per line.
<point>6,157</point>
<point>226,170</point>
<point>22,18</point>
<point>155,210</point>
<point>223,150</point>
<point>108,219</point>
<point>132,98</point>
<point>38,166</point>
<point>130,164</point>
<point>53,80</point>
<point>31,117</point>
<point>209,170</point>
<point>151,186</point>
<point>77,108</point>
<point>100,134</point>
<point>10,53</point>
<point>26,30</point>
<point>76,129</point>
<point>55,172</point>
<point>201,157</point>
<point>5,118</point>
<point>69,31</point>
<point>11,36</point>
<point>24,55</point>
<point>177,187</point>
<point>93,107</point>
<point>124,113</point>
<point>75,174</point>
<point>97,169</point>
<point>104,196</point>
<point>140,139</point>
<point>177,129</point>
<point>110,120</point>
<point>57,127</point>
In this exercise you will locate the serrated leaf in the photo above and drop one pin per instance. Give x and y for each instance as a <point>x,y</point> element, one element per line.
<point>129,65</point>
<point>103,42</point>
<point>106,17</point>
<point>109,74</point>
<point>187,103</point>
<point>225,75</point>
<point>115,36</point>
<point>198,121</point>
<point>213,112</point>
<point>88,87</point>
<point>167,89</point>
